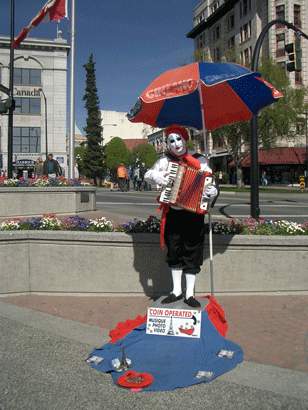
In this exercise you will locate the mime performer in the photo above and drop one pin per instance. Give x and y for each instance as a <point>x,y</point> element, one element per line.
<point>183,230</point>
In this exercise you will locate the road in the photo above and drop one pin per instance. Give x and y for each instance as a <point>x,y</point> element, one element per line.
<point>281,205</point>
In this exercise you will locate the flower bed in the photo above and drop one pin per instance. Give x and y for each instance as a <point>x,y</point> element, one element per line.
<point>152,225</point>
<point>42,181</point>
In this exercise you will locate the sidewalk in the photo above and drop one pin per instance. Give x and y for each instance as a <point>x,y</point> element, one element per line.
<point>271,330</point>
<point>45,339</point>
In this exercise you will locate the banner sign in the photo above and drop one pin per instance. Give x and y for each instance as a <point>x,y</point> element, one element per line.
<point>174,322</point>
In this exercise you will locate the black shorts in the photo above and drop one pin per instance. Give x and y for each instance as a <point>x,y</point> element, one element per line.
<point>184,238</point>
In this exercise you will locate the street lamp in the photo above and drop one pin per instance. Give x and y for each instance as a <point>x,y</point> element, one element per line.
<point>37,137</point>
<point>46,141</point>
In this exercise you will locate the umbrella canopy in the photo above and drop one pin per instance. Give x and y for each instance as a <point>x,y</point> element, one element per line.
<point>203,95</point>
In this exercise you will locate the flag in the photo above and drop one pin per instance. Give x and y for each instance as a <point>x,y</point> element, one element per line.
<point>53,10</point>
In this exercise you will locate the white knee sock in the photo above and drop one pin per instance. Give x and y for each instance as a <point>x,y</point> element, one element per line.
<point>177,281</point>
<point>190,284</point>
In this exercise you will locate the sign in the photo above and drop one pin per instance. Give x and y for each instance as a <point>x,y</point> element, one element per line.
<point>25,163</point>
<point>174,322</point>
<point>35,92</point>
<point>60,160</point>
<point>302,182</point>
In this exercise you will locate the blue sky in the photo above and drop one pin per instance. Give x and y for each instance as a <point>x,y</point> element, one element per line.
<point>132,42</point>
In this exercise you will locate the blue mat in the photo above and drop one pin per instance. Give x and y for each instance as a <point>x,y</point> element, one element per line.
<point>172,361</point>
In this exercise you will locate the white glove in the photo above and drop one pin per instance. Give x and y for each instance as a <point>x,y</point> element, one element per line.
<point>160,178</point>
<point>210,192</point>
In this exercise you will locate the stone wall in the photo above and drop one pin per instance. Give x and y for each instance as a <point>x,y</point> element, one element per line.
<point>36,201</point>
<point>84,263</point>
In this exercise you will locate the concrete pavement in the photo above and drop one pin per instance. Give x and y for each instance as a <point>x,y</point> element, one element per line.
<point>45,340</point>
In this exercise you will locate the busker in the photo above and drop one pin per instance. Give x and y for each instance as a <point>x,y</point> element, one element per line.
<point>184,230</point>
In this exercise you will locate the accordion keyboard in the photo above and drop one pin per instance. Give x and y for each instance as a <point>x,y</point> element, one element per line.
<point>169,193</point>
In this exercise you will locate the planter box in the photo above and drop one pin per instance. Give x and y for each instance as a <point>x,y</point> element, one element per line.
<point>36,201</point>
<point>84,263</point>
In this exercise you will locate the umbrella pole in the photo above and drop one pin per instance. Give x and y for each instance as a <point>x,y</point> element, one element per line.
<point>209,213</point>
<point>211,253</point>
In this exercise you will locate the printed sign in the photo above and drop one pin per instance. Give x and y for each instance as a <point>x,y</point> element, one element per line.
<point>174,322</point>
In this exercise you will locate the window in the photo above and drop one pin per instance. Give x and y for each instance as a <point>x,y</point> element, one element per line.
<point>27,105</point>
<point>27,76</point>
<point>246,56</point>
<point>216,54</point>
<point>201,41</point>
<point>231,42</point>
<point>280,15</point>
<point>26,139</point>
<point>216,33</point>
<point>282,65</point>
<point>280,45</point>
<point>246,31</point>
<point>230,22</point>
<point>245,7</point>
<point>214,6</point>
<point>298,78</point>
<point>297,15</point>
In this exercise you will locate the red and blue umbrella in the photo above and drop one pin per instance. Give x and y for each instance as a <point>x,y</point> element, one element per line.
<point>203,95</point>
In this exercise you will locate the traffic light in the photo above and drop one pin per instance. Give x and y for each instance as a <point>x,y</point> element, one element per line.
<point>5,105</point>
<point>295,55</point>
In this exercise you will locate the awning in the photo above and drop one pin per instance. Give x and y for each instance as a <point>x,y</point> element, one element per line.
<point>277,156</point>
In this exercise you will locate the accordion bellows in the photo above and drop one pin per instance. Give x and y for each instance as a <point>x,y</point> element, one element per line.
<point>185,188</point>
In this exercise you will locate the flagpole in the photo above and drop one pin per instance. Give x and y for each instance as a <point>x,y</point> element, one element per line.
<point>72,97</point>
<point>10,119</point>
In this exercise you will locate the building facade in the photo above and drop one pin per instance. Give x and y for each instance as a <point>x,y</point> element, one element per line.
<point>227,30</point>
<point>116,124</point>
<point>40,94</point>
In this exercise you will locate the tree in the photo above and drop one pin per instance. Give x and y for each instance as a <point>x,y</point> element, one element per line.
<point>93,165</point>
<point>190,145</point>
<point>116,152</point>
<point>275,121</point>
<point>145,153</point>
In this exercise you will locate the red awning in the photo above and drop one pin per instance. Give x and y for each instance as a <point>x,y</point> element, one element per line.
<point>277,156</point>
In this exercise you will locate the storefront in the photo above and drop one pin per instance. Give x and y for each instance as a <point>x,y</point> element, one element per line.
<point>282,165</point>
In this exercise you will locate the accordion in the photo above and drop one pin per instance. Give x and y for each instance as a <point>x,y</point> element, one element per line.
<point>185,188</point>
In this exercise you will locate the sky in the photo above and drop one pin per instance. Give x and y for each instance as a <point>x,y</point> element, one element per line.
<point>132,42</point>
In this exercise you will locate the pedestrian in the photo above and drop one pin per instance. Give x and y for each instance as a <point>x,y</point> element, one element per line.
<point>113,177</point>
<point>38,167</point>
<point>184,230</point>
<point>143,183</point>
<point>122,176</point>
<point>220,177</point>
<point>128,170</point>
<point>51,167</point>
<point>264,178</point>
<point>137,178</point>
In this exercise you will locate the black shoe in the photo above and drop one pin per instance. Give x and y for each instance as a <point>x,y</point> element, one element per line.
<point>171,298</point>
<point>192,302</point>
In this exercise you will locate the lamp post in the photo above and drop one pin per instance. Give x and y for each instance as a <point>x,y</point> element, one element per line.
<point>254,176</point>
<point>46,141</point>
<point>37,137</point>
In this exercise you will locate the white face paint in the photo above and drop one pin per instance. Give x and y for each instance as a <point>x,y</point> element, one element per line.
<point>176,143</point>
